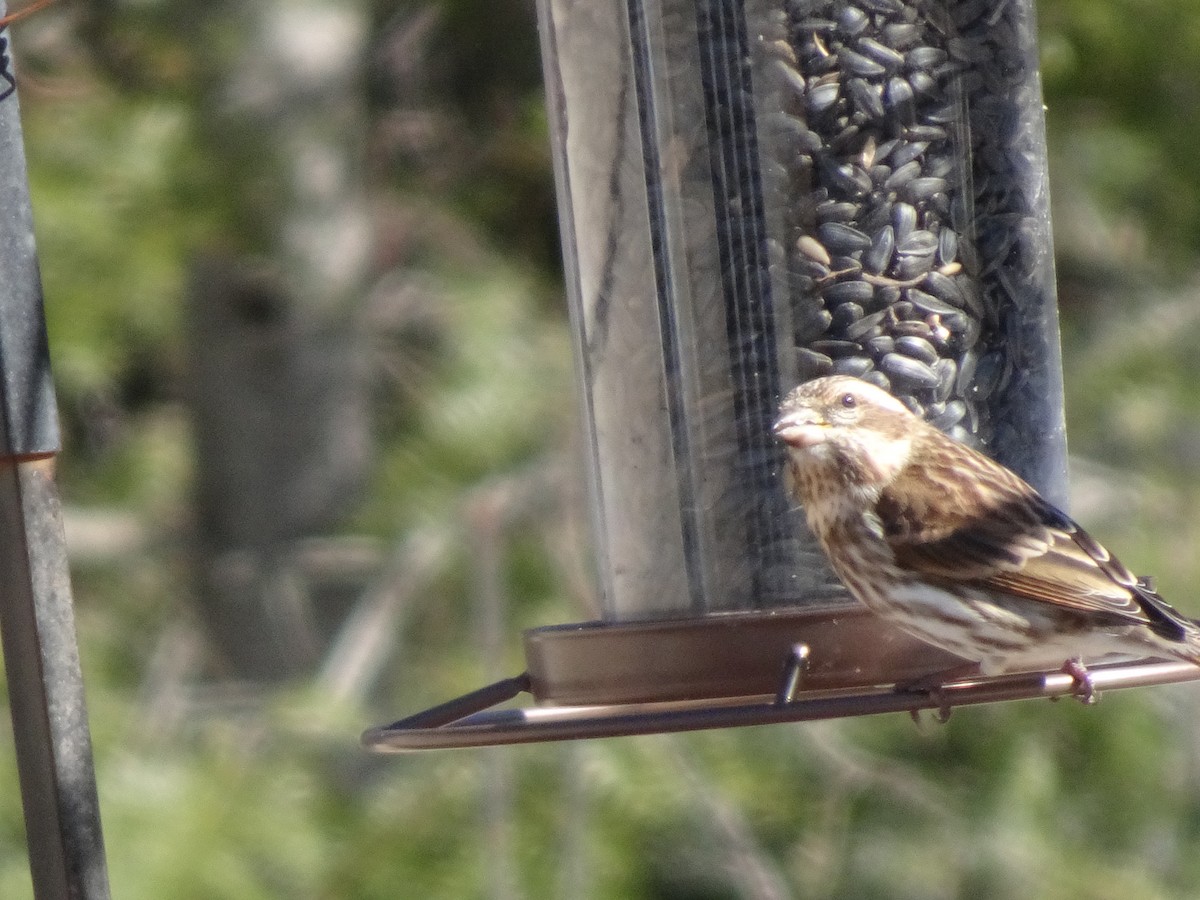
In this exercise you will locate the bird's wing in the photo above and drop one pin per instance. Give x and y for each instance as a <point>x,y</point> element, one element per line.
<point>963,518</point>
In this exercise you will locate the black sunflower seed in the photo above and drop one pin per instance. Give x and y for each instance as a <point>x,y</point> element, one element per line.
<point>931,304</point>
<point>887,57</point>
<point>908,372</point>
<point>852,365</point>
<point>842,238</point>
<point>859,292</point>
<point>879,254</point>
<point>917,348</point>
<point>835,348</point>
<point>852,20</point>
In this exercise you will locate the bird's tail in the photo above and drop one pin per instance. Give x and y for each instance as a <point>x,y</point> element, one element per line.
<point>1183,631</point>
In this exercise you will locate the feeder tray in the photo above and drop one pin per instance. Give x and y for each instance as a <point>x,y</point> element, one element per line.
<point>595,680</point>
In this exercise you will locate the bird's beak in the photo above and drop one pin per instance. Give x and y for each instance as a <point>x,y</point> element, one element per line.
<point>801,428</point>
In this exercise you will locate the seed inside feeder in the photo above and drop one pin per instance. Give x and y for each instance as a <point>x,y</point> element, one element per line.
<point>906,196</point>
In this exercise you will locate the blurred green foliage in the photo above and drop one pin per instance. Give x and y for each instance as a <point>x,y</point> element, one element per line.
<point>215,790</point>
<point>1121,84</point>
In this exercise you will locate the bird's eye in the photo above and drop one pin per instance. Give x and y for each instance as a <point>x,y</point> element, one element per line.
<point>848,401</point>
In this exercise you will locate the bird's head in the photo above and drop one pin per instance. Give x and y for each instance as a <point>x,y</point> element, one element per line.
<point>851,424</point>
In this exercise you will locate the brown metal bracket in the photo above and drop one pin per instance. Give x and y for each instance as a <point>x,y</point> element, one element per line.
<point>597,680</point>
<point>473,724</point>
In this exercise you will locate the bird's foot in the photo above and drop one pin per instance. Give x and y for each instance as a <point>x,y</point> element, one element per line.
<point>1085,690</point>
<point>941,713</point>
<point>934,686</point>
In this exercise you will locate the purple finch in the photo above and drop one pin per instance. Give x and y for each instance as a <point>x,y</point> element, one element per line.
<point>957,550</point>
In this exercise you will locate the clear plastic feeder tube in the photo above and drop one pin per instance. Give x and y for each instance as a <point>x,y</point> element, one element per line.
<point>756,193</point>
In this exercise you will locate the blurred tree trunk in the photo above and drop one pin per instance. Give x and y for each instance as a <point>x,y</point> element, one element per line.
<point>275,382</point>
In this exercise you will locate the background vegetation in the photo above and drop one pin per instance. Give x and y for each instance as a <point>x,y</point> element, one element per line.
<point>465,526</point>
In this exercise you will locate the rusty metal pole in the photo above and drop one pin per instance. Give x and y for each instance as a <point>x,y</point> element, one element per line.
<point>37,625</point>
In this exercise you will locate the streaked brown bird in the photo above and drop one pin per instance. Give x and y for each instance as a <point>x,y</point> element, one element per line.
<point>957,550</point>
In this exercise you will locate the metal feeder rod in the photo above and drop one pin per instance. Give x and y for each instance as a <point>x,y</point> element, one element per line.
<point>37,626</point>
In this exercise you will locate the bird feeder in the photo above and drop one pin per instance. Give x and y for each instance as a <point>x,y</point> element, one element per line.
<point>754,193</point>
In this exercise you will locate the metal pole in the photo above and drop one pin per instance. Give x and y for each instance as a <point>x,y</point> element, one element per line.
<point>37,626</point>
